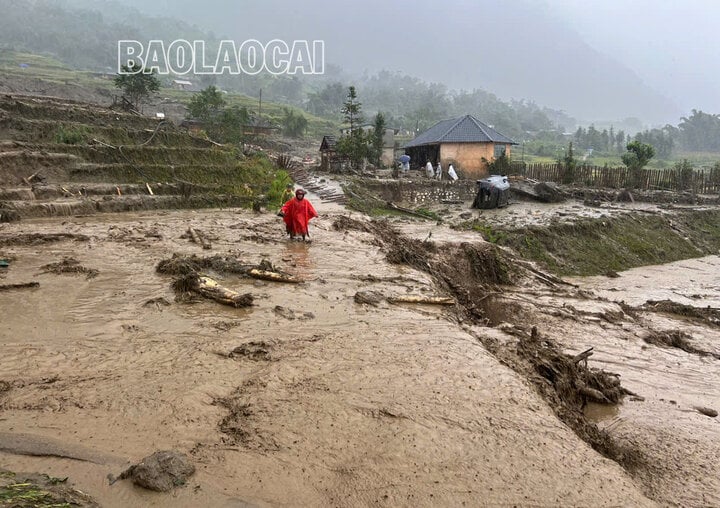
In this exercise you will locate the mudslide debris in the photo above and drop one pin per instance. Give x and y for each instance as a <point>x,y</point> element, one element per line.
<point>162,471</point>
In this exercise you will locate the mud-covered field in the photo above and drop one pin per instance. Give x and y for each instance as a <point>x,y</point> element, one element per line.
<point>323,392</point>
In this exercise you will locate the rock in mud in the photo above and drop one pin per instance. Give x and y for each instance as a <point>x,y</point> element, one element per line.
<point>706,411</point>
<point>549,192</point>
<point>254,350</point>
<point>291,314</point>
<point>162,471</point>
<point>369,297</point>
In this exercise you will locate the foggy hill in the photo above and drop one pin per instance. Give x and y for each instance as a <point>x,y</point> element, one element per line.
<point>514,49</point>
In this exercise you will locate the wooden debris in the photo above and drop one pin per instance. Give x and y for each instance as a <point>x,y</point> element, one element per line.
<point>431,300</point>
<point>118,191</point>
<point>30,178</point>
<point>149,189</point>
<point>272,276</point>
<point>209,288</point>
<point>199,239</point>
<point>24,285</point>
<point>583,356</point>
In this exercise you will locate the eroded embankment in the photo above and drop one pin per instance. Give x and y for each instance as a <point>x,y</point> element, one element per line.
<point>475,274</point>
<point>599,246</point>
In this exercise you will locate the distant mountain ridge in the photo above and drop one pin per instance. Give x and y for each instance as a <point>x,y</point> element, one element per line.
<point>516,50</point>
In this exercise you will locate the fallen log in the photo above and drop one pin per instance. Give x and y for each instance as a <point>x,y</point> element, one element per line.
<point>431,300</point>
<point>209,288</point>
<point>272,276</point>
<point>24,285</point>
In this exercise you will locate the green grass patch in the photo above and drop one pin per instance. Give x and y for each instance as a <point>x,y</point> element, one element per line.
<point>598,246</point>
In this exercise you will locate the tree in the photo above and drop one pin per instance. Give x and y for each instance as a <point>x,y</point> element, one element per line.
<point>228,125</point>
<point>294,124</point>
<point>351,109</point>
<point>569,164</point>
<point>327,102</point>
<point>377,138</point>
<point>636,158</point>
<point>206,104</point>
<point>137,84</point>
<point>684,174</point>
<point>700,131</point>
<point>355,144</point>
<point>499,165</point>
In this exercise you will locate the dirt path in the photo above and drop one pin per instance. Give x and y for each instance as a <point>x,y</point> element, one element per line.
<point>347,404</point>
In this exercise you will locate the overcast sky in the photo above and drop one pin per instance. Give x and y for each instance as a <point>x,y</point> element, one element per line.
<point>673,45</point>
<point>664,53</point>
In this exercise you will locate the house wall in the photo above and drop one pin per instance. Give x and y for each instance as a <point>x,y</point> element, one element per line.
<point>468,157</point>
<point>388,157</point>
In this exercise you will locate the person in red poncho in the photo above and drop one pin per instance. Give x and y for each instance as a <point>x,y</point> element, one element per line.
<point>297,213</point>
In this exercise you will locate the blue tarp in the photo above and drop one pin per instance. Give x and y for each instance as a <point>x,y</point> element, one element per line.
<point>404,158</point>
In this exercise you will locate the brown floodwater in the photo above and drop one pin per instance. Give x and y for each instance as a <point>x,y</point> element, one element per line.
<point>354,405</point>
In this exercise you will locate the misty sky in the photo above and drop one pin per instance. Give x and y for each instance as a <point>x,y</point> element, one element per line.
<point>674,46</point>
<point>652,59</point>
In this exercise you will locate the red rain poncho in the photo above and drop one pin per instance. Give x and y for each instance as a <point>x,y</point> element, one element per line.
<point>297,215</point>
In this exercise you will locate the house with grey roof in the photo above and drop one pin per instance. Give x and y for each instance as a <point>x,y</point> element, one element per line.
<point>465,142</point>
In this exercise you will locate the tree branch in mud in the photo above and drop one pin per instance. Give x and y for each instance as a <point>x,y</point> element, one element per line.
<point>24,285</point>
<point>431,300</point>
<point>199,239</point>
<point>273,276</point>
<point>209,288</point>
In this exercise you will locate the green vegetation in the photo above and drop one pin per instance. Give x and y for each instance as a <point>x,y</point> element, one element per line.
<point>206,104</point>
<point>22,493</point>
<point>277,187</point>
<point>376,139</point>
<point>353,145</point>
<point>294,123</point>
<point>597,246</point>
<point>137,84</point>
<point>636,158</point>
<point>569,164</point>
<point>499,165</point>
<point>72,135</point>
<point>489,234</point>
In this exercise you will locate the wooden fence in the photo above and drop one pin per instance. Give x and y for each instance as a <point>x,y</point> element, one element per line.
<point>699,182</point>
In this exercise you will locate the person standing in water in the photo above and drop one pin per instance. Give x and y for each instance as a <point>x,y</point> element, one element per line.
<point>296,214</point>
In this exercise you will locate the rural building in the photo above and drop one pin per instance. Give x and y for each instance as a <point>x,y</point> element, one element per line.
<point>182,84</point>
<point>465,142</point>
<point>328,152</point>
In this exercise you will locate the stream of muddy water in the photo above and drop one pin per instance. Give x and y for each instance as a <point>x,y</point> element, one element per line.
<point>345,404</point>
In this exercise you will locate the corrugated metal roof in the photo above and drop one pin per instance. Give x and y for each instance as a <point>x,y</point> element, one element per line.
<point>466,129</point>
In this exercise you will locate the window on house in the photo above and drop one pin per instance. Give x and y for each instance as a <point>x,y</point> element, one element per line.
<point>499,151</point>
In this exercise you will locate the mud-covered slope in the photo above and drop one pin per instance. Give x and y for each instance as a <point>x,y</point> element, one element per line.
<point>612,244</point>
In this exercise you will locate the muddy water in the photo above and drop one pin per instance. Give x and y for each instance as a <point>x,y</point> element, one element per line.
<point>356,405</point>
<point>681,445</point>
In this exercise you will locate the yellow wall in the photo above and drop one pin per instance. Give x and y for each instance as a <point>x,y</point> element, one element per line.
<point>467,157</point>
